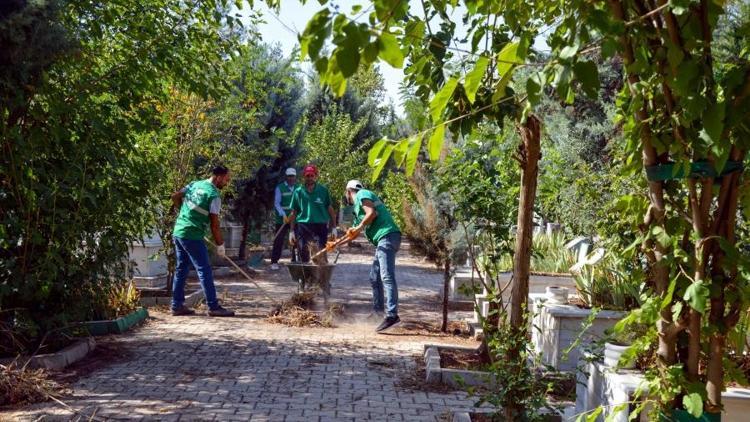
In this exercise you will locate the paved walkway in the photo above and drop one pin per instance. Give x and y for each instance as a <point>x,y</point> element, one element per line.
<point>244,368</point>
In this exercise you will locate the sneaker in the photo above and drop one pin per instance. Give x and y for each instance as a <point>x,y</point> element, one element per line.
<point>388,322</point>
<point>220,312</point>
<point>275,266</point>
<point>183,310</point>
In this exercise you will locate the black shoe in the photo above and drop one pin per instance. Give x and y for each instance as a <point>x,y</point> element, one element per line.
<point>388,322</point>
<point>220,312</point>
<point>183,310</point>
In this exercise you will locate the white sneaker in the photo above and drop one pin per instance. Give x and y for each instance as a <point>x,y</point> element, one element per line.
<point>275,267</point>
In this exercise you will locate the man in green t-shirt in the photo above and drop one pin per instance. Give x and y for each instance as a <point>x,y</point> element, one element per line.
<point>372,216</point>
<point>199,204</point>
<point>312,215</point>
<point>282,201</point>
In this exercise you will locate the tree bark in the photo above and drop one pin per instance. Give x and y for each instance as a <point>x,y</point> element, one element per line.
<point>243,243</point>
<point>529,154</point>
<point>446,286</point>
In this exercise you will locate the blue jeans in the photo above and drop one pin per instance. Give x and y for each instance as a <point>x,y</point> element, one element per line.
<point>311,233</point>
<point>192,251</point>
<point>383,275</point>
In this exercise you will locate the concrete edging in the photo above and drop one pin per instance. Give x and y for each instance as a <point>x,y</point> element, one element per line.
<point>65,357</point>
<point>437,374</point>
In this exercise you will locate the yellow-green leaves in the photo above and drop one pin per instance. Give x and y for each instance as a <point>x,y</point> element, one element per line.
<point>389,50</point>
<point>588,75</point>
<point>440,100</point>
<point>508,58</point>
<point>435,145</point>
<point>317,30</point>
<point>378,156</point>
<point>415,145</point>
<point>693,403</point>
<point>474,78</point>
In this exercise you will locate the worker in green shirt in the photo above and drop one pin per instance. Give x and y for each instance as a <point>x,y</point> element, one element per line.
<point>312,216</point>
<point>199,204</point>
<point>372,217</point>
<point>282,201</point>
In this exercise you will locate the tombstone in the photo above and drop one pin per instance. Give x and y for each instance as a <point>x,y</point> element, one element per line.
<point>149,263</point>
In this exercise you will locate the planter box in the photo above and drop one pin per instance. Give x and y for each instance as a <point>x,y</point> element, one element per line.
<point>232,234</point>
<point>557,326</point>
<point>142,255</point>
<point>599,385</point>
<point>465,279</point>
<point>436,374</point>
<point>63,358</point>
<point>116,326</point>
<point>154,282</point>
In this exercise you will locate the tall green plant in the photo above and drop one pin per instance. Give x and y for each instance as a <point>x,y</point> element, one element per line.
<point>81,158</point>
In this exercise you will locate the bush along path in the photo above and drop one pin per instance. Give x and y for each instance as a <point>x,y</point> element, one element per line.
<point>245,368</point>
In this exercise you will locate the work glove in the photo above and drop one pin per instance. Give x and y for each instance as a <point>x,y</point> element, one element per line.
<point>287,219</point>
<point>221,251</point>
<point>335,233</point>
<point>292,238</point>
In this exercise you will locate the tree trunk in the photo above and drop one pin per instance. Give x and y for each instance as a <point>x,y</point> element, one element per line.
<point>529,154</point>
<point>243,243</point>
<point>446,286</point>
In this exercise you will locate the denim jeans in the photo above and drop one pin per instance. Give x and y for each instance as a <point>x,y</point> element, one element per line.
<point>192,252</point>
<point>383,275</point>
<point>279,242</point>
<point>310,233</point>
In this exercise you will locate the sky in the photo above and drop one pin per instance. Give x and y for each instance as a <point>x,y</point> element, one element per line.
<point>294,17</point>
<point>282,29</point>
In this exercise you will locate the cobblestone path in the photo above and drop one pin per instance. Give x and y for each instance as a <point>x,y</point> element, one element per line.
<point>244,368</point>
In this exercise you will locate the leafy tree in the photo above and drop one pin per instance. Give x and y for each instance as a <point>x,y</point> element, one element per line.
<point>267,85</point>
<point>331,145</point>
<point>81,85</point>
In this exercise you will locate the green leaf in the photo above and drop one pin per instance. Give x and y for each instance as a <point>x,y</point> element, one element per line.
<point>568,52</point>
<point>658,233</point>
<point>382,160</point>
<point>588,75</point>
<point>400,150</point>
<point>594,415</point>
<point>390,51</point>
<point>375,151</point>
<point>348,60</point>
<point>508,58</point>
<point>440,100</point>
<point>696,296</point>
<point>371,52</point>
<point>677,310</point>
<point>693,404</point>
<point>413,154</point>
<point>435,145</point>
<point>474,78</point>
<point>534,87</point>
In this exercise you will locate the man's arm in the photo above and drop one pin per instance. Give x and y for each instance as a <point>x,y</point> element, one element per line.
<point>370,215</point>
<point>177,198</point>
<point>215,230</point>
<point>332,214</point>
<point>277,202</point>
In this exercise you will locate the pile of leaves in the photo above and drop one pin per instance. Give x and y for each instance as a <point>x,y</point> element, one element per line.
<point>296,312</point>
<point>21,385</point>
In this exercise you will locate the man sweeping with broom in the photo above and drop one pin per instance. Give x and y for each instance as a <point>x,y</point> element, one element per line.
<point>372,216</point>
<point>199,204</point>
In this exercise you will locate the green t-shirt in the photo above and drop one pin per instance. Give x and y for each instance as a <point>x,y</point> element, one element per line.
<point>192,222</point>
<point>382,225</point>
<point>286,199</point>
<point>311,207</point>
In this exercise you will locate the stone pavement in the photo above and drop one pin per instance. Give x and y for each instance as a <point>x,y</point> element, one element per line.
<point>244,368</point>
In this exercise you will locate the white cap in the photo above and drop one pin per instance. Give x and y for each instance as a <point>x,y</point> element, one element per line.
<point>291,171</point>
<point>354,184</point>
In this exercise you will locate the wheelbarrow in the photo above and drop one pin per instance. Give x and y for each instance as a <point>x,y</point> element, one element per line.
<point>309,274</point>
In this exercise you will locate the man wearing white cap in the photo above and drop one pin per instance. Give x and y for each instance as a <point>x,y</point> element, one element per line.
<point>373,218</point>
<point>282,201</point>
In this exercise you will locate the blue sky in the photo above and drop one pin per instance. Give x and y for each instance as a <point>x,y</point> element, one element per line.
<point>281,29</point>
